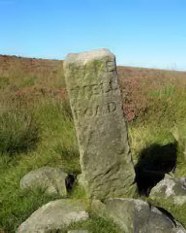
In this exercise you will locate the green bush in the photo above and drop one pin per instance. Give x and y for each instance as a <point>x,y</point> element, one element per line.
<point>19,132</point>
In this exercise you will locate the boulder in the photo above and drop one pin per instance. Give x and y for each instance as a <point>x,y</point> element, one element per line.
<point>133,215</point>
<point>170,187</point>
<point>55,216</point>
<point>52,180</point>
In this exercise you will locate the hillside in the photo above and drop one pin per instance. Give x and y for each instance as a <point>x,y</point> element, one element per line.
<point>12,64</point>
<point>33,66</point>
<point>36,77</point>
<point>36,129</point>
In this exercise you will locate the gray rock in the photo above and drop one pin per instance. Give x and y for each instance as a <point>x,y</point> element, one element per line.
<point>95,98</point>
<point>55,216</point>
<point>52,180</point>
<point>133,215</point>
<point>170,187</point>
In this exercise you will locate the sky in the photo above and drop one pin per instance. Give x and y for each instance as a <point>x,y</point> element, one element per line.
<point>142,33</point>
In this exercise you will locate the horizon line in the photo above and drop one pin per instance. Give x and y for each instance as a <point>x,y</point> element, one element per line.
<point>118,64</point>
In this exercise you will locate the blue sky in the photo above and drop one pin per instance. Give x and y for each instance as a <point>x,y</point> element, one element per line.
<point>144,33</point>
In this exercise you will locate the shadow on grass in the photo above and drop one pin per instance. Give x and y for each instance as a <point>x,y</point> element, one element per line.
<point>154,162</point>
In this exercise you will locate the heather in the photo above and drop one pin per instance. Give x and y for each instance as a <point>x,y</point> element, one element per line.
<point>36,129</point>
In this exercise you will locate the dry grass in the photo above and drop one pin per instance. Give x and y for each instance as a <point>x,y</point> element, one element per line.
<point>154,104</point>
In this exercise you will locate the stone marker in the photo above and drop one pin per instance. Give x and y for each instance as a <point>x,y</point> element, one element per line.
<point>95,98</point>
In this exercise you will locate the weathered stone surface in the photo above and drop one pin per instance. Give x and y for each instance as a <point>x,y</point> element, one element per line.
<point>170,187</point>
<point>95,97</point>
<point>133,215</point>
<point>78,231</point>
<point>55,216</point>
<point>52,180</point>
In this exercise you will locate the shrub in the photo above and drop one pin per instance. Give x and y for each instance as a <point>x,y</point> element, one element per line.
<point>19,132</point>
<point>135,102</point>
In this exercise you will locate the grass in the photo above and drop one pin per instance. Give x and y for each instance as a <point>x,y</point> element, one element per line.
<point>96,225</point>
<point>19,132</point>
<point>178,211</point>
<point>56,133</point>
<point>155,107</point>
<point>22,205</point>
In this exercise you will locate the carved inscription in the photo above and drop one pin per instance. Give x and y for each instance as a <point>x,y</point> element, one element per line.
<point>96,110</point>
<point>93,89</point>
<point>95,99</point>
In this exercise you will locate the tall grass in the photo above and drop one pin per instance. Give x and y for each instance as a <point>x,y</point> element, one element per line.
<point>40,131</point>
<point>19,132</point>
<point>34,127</point>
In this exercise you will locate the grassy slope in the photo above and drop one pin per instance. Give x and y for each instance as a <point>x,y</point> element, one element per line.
<point>154,103</point>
